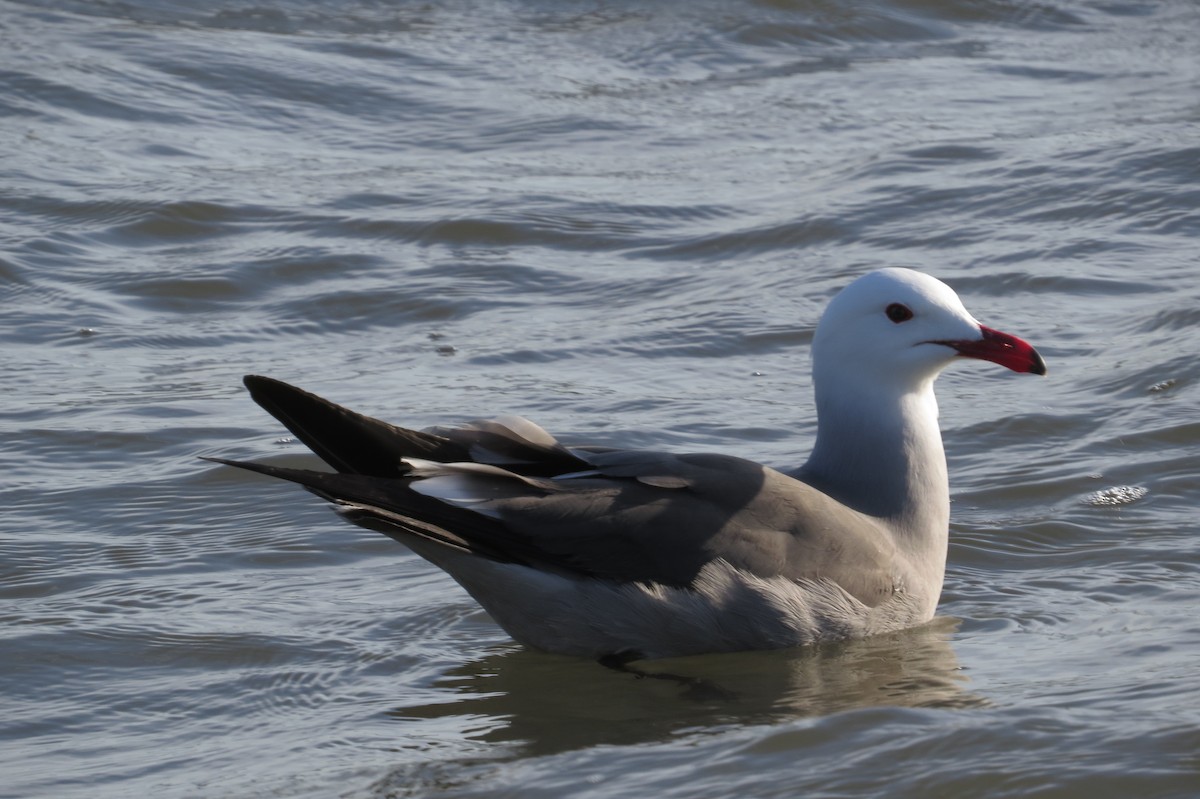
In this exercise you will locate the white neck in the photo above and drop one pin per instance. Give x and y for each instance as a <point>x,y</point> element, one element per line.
<point>880,453</point>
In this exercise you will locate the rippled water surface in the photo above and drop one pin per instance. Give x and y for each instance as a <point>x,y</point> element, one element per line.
<point>622,220</point>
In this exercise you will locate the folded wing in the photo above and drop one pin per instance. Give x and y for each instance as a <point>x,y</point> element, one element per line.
<point>505,489</point>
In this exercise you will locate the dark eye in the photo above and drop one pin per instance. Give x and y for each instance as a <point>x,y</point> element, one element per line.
<point>899,313</point>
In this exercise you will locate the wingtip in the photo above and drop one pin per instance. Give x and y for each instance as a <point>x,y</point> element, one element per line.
<point>275,395</point>
<point>222,461</point>
<point>258,382</point>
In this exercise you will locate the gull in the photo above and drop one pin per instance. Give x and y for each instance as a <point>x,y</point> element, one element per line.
<point>619,555</point>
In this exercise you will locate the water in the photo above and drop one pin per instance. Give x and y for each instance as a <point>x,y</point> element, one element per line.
<point>619,219</point>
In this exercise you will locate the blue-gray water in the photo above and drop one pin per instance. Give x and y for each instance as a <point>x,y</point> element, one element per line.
<point>622,220</point>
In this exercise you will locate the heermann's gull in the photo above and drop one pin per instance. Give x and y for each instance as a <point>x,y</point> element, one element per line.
<point>618,553</point>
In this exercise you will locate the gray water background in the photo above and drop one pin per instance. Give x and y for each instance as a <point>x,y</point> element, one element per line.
<point>621,220</point>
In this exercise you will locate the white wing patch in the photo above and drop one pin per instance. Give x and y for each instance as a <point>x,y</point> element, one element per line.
<point>472,486</point>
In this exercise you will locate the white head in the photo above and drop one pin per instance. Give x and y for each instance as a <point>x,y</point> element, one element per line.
<point>899,328</point>
<point>877,350</point>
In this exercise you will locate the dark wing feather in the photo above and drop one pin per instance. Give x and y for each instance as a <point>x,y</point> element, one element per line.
<point>387,505</point>
<point>347,441</point>
<point>354,443</point>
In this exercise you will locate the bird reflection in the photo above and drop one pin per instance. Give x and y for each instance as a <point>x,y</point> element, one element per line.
<point>546,704</point>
